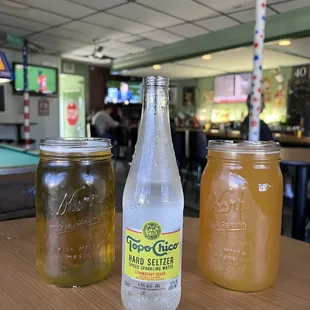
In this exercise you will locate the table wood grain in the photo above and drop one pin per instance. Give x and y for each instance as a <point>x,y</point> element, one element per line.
<point>21,289</point>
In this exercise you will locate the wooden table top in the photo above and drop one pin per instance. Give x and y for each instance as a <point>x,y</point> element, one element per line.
<point>21,289</point>
<point>295,156</point>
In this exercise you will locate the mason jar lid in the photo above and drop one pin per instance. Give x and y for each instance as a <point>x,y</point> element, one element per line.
<point>75,145</point>
<point>244,147</point>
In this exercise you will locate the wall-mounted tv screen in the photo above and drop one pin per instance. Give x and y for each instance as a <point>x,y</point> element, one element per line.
<point>41,80</point>
<point>224,86</point>
<point>129,92</point>
<point>232,88</point>
<point>243,84</point>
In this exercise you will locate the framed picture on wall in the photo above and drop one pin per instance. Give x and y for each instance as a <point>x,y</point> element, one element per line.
<point>189,96</point>
<point>43,107</point>
<point>173,95</point>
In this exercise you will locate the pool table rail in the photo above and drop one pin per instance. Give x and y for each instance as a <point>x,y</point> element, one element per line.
<point>17,184</point>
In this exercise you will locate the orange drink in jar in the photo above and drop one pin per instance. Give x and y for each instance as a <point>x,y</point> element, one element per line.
<point>240,215</point>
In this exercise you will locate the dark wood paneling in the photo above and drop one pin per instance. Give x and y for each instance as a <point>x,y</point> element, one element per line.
<point>97,87</point>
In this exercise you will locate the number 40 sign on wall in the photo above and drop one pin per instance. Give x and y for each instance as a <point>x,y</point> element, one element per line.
<point>301,73</point>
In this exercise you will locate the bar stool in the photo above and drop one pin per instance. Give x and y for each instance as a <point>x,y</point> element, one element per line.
<point>178,141</point>
<point>93,131</point>
<point>123,144</point>
<point>197,158</point>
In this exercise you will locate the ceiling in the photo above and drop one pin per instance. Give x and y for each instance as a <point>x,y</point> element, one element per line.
<point>69,27</point>
<point>236,60</point>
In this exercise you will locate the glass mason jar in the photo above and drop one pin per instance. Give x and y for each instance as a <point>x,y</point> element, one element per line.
<point>240,215</point>
<point>75,210</point>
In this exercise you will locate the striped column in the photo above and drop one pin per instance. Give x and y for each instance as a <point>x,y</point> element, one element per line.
<point>26,96</point>
<point>256,96</point>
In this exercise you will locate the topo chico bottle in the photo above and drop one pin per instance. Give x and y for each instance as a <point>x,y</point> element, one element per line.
<point>153,205</point>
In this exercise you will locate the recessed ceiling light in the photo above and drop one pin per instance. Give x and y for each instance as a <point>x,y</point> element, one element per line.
<point>285,43</point>
<point>206,57</point>
<point>156,67</point>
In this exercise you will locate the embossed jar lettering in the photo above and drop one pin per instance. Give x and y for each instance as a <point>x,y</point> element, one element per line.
<point>239,237</point>
<point>71,203</point>
<point>75,211</point>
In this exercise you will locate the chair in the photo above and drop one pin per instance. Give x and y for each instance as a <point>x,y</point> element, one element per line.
<point>123,145</point>
<point>93,131</point>
<point>178,141</point>
<point>197,158</point>
<point>133,137</point>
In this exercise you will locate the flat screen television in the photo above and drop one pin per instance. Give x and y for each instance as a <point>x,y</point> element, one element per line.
<point>41,80</point>
<point>242,85</point>
<point>129,92</point>
<point>224,85</point>
<point>232,88</point>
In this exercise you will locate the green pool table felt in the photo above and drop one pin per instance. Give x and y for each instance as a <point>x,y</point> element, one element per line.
<point>16,157</point>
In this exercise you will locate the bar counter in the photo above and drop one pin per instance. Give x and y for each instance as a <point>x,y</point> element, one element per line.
<point>284,140</point>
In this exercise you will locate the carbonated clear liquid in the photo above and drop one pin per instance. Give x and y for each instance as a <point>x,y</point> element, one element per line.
<point>152,201</point>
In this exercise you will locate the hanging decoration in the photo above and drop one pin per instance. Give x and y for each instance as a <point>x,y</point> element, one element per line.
<point>256,97</point>
<point>6,74</point>
<point>26,96</point>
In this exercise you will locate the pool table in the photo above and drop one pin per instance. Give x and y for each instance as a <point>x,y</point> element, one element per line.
<point>17,178</point>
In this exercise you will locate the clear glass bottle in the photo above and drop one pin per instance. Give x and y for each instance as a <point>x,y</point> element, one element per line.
<point>153,205</point>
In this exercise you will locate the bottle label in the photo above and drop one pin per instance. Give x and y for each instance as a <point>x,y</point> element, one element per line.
<point>151,254</point>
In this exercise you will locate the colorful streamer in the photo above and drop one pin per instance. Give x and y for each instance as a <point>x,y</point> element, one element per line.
<point>26,96</point>
<point>256,98</point>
